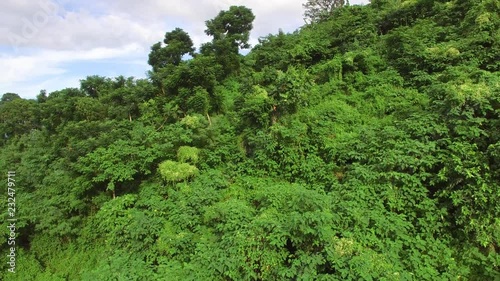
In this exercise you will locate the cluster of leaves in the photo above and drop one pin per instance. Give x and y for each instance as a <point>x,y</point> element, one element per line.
<point>364,146</point>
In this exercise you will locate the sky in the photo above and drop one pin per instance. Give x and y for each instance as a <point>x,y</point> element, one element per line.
<point>52,44</point>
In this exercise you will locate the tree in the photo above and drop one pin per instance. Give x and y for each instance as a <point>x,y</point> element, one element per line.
<point>94,86</point>
<point>59,108</point>
<point>199,102</point>
<point>178,43</point>
<point>42,96</point>
<point>188,153</point>
<point>233,25</point>
<point>124,159</point>
<point>172,171</point>
<point>291,89</point>
<point>9,97</point>
<point>319,10</point>
<point>231,31</point>
<point>87,108</point>
<point>273,50</point>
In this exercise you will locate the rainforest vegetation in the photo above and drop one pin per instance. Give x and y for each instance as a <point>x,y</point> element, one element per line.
<point>363,146</point>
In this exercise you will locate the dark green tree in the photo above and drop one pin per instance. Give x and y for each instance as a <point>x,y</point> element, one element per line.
<point>233,25</point>
<point>17,116</point>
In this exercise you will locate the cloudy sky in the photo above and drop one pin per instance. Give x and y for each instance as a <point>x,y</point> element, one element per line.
<point>51,44</point>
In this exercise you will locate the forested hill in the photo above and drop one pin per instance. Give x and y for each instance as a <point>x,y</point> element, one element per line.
<point>364,146</point>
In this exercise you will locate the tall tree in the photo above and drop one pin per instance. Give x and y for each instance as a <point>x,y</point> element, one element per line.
<point>318,10</point>
<point>178,43</point>
<point>95,85</point>
<point>234,25</point>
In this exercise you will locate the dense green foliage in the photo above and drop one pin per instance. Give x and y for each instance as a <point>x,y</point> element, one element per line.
<point>364,146</point>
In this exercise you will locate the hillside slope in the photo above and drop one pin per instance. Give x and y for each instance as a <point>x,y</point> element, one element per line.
<point>362,147</point>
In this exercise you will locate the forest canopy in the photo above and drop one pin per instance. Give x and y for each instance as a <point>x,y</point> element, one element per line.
<point>363,146</point>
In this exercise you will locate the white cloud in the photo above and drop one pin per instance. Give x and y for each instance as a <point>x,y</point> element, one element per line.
<point>50,66</point>
<point>72,24</point>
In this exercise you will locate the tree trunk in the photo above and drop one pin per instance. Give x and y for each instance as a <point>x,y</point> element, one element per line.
<point>274,115</point>
<point>209,120</point>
